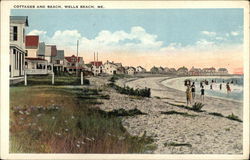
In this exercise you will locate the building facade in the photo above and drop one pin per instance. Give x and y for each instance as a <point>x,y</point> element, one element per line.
<point>73,64</point>
<point>17,53</point>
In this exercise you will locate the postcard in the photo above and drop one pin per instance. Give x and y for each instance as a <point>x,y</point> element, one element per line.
<point>124,80</point>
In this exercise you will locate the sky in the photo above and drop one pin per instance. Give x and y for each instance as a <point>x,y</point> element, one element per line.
<point>146,37</point>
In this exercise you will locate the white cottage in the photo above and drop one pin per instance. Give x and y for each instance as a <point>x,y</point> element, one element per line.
<point>131,71</point>
<point>17,45</point>
<point>110,68</point>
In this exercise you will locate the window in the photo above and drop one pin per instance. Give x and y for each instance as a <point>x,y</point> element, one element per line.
<point>15,33</point>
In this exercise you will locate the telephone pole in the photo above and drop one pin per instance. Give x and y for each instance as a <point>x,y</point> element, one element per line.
<point>77,56</point>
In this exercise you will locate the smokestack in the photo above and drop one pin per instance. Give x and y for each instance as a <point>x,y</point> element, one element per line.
<point>97,56</point>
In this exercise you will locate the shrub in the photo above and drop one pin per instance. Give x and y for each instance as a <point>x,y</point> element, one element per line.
<point>234,117</point>
<point>131,91</point>
<point>197,106</point>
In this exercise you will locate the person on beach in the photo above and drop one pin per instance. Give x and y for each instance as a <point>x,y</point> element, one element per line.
<point>220,86</point>
<point>211,86</point>
<point>189,95</point>
<point>202,93</point>
<point>228,87</point>
<point>193,90</point>
<point>201,83</point>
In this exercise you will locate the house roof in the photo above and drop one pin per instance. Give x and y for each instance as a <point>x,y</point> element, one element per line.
<point>70,58</point>
<point>96,63</point>
<point>20,19</point>
<point>31,41</point>
<point>41,49</point>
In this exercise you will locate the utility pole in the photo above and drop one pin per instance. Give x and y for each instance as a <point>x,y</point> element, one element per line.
<point>77,56</point>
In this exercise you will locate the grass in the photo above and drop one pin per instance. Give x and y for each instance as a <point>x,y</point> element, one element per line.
<point>56,119</point>
<point>216,114</point>
<point>175,144</point>
<point>234,117</point>
<point>231,117</point>
<point>197,106</point>
<point>179,113</point>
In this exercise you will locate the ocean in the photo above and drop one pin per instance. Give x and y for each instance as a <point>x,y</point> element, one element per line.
<point>235,83</point>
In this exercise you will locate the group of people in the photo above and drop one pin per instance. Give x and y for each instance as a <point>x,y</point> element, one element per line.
<point>190,91</point>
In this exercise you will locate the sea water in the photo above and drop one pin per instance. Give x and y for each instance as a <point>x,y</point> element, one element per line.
<point>235,83</point>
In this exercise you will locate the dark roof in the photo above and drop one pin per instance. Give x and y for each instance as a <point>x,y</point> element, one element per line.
<point>23,19</point>
<point>31,42</point>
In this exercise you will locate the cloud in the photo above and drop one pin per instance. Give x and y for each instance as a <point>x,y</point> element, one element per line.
<point>234,33</point>
<point>136,40</point>
<point>208,33</point>
<point>37,32</point>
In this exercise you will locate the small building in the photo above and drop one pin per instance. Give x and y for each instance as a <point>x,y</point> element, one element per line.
<point>209,71</point>
<point>154,70</point>
<point>161,70</point>
<point>131,71</point>
<point>17,53</point>
<point>166,70</point>
<point>110,68</point>
<point>182,71</point>
<point>222,71</point>
<point>57,61</point>
<point>34,65</point>
<point>96,67</point>
<point>50,52</point>
<point>140,69</point>
<point>172,70</point>
<point>121,70</point>
<point>73,64</point>
<point>195,71</point>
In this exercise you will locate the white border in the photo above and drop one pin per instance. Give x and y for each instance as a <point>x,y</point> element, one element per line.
<point>5,12</point>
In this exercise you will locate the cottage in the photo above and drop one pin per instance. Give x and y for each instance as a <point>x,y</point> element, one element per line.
<point>17,45</point>
<point>195,71</point>
<point>222,71</point>
<point>110,68</point>
<point>154,70</point>
<point>50,51</point>
<point>161,70</point>
<point>34,65</point>
<point>140,69</point>
<point>73,64</point>
<point>131,71</point>
<point>57,61</point>
<point>96,67</point>
<point>182,71</point>
<point>209,71</point>
<point>172,70</point>
<point>121,70</point>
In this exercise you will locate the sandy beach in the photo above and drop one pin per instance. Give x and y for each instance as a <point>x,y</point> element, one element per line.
<point>187,133</point>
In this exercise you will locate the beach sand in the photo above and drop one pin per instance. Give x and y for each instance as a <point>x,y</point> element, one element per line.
<point>195,133</point>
